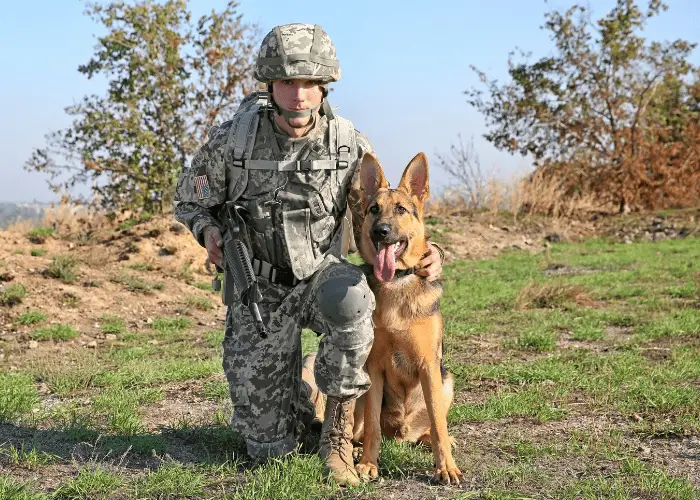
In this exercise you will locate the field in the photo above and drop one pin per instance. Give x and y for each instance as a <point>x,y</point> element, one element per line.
<point>577,369</point>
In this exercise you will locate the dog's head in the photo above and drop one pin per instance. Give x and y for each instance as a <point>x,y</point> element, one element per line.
<point>393,233</point>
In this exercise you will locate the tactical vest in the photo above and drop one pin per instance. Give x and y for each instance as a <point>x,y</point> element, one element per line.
<point>310,200</point>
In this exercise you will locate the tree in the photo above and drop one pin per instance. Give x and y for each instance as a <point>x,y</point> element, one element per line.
<point>592,113</point>
<point>169,80</point>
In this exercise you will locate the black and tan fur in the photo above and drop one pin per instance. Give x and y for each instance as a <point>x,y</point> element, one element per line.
<point>411,391</point>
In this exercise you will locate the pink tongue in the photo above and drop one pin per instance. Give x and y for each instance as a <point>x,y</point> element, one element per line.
<point>384,264</point>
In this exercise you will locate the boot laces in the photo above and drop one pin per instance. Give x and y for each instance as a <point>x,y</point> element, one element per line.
<point>338,435</point>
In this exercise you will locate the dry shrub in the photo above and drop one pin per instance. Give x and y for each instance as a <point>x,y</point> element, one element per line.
<point>499,195</point>
<point>545,194</point>
<point>77,222</point>
<point>658,168</point>
<point>550,296</point>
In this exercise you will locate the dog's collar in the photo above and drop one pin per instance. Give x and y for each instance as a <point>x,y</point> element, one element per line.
<point>400,273</point>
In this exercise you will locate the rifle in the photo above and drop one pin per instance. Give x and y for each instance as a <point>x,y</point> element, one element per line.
<point>237,262</point>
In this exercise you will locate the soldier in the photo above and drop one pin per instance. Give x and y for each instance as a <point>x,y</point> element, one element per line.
<point>288,162</point>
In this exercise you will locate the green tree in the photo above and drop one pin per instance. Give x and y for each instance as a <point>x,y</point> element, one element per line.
<point>589,109</point>
<point>169,80</point>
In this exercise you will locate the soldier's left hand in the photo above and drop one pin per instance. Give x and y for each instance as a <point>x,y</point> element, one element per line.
<point>431,265</point>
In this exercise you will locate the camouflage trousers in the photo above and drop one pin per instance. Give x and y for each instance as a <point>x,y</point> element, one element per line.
<point>264,375</point>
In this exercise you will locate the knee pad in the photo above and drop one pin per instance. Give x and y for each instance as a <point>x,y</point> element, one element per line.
<point>344,299</point>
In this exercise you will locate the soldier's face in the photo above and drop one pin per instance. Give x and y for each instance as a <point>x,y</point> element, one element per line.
<point>297,95</point>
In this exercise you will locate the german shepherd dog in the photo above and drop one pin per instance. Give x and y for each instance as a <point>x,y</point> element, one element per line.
<point>411,390</point>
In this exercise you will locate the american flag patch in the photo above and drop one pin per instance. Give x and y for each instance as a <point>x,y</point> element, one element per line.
<point>201,185</point>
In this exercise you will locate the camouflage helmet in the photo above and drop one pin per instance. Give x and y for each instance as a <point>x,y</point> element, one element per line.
<point>297,51</point>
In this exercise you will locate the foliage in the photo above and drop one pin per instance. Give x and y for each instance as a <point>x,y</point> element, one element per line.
<point>609,112</point>
<point>12,294</point>
<point>169,80</point>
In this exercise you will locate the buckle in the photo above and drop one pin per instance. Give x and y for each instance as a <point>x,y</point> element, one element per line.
<point>238,163</point>
<point>343,156</point>
<point>284,276</point>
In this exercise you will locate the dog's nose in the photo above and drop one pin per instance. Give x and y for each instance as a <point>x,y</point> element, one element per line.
<point>381,230</point>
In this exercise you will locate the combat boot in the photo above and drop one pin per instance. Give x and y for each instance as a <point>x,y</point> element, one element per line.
<point>336,441</point>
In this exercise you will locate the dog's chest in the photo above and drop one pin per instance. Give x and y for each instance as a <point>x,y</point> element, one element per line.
<point>404,367</point>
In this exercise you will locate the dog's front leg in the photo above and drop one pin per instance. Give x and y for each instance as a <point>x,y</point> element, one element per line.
<point>446,470</point>
<point>368,468</point>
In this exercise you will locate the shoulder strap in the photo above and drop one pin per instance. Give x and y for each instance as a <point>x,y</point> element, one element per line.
<point>241,140</point>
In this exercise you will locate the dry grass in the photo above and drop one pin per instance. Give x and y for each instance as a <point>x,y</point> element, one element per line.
<point>550,295</point>
<point>521,194</point>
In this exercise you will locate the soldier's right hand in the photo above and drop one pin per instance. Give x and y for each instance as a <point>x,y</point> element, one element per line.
<point>214,242</point>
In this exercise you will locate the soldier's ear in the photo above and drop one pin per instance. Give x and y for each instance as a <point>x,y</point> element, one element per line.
<point>371,179</point>
<point>414,180</point>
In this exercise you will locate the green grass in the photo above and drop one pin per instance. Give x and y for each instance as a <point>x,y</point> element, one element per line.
<point>111,323</point>
<point>28,459</point>
<point>37,252</point>
<point>39,235</point>
<point>54,332</point>
<point>18,395</point>
<point>120,408</point>
<point>561,381</point>
<point>170,479</point>
<point>200,303</point>
<point>12,489</point>
<point>136,284</point>
<point>92,482</point>
<point>31,317</point>
<point>63,267</point>
<point>141,266</point>
<point>12,295</point>
<point>298,477</point>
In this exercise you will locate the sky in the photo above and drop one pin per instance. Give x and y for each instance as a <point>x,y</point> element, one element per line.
<point>405,66</point>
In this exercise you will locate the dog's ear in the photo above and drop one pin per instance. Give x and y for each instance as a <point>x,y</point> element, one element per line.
<point>371,178</point>
<point>414,180</point>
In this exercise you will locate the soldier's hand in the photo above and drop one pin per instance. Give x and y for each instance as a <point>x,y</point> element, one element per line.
<point>214,242</point>
<point>431,265</point>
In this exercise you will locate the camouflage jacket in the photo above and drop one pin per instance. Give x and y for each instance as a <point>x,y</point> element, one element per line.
<point>293,217</point>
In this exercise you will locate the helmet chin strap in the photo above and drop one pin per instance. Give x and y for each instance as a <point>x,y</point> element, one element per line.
<point>289,114</point>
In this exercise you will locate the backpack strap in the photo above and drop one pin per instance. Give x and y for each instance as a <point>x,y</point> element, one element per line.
<point>241,140</point>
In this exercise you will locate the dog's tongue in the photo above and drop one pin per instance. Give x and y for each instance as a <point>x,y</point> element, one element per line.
<point>385,263</point>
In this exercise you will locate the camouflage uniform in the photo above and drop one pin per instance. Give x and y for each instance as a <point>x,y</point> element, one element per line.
<point>295,221</point>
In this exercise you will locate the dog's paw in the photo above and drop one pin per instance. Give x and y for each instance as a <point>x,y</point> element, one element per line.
<point>367,471</point>
<point>447,475</point>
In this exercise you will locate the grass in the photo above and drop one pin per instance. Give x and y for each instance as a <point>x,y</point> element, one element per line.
<point>199,303</point>
<point>39,235</point>
<point>113,324</point>
<point>31,317</point>
<point>91,482</point>
<point>136,284</point>
<point>170,479</point>
<point>54,332</point>
<point>64,268</point>
<point>32,459</point>
<point>12,295</point>
<point>18,395</point>
<point>12,489</point>
<point>562,380</point>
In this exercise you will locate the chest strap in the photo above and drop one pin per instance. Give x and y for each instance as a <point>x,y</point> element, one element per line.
<point>274,274</point>
<point>292,165</point>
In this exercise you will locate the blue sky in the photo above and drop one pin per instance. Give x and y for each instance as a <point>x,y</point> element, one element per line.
<point>405,67</point>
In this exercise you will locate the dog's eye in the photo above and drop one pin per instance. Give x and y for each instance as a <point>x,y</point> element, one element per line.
<point>401,210</point>
<point>374,209</point>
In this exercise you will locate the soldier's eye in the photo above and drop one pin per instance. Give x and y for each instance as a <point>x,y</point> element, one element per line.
<point>374,209</point>
<point>401,210</point>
